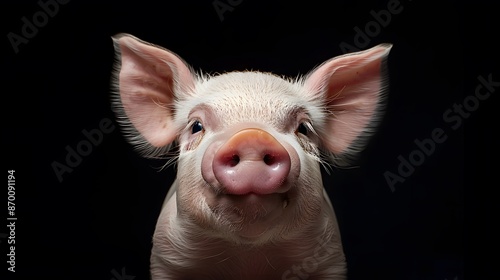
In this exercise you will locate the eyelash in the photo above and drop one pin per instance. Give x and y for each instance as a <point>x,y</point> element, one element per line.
<point>305,128</point>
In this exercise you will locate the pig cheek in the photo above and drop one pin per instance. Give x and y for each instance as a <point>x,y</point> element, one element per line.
<point>190,197</point>
<point>306,196</point>
<point>312,191</point>
<point>207,172</point>
<point>295,165</point>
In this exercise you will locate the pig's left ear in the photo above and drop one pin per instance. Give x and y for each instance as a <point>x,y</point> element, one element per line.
<point>350,88</point>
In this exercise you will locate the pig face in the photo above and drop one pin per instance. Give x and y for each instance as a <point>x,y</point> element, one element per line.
<point>250,143</point>
<point>249,156</point>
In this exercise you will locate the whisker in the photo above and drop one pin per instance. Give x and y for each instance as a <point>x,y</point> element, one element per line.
<point>216,255</point>
<point>223,260</point>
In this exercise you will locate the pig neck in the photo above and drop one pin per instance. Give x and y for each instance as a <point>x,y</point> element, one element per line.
<point>193,248</point>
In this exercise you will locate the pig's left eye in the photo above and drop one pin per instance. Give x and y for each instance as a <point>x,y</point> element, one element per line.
<point>196,127</point>
<point>302,129</point>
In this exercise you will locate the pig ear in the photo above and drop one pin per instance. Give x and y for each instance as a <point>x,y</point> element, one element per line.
<point>148,80</point>
<point>350,88</point>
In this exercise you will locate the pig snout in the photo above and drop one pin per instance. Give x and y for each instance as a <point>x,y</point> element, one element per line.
<point>252,161</point>
<point>251,178</point>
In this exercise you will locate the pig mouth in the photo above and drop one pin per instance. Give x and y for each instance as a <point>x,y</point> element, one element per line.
<point>250,215</point>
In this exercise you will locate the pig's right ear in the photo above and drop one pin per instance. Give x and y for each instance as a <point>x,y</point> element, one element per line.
<point>147,81</point>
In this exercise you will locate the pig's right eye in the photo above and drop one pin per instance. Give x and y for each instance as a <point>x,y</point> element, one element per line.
<point>196,127</point>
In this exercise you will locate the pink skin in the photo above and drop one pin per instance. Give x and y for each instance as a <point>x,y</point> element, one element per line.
<point>250,173</point>
<point>251,161</point>
<point>248,201</point>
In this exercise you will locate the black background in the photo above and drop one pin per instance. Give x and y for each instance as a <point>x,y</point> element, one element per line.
<point>98,221</point>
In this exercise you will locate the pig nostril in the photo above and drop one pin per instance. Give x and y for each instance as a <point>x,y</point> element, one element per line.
<point>234,160</point>
<point>251,161</point>
<point>269,159</point>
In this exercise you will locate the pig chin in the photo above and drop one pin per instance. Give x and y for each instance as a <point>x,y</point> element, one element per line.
<point>250,217</point>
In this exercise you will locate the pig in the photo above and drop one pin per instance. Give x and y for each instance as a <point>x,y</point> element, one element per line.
<point>248,200</point>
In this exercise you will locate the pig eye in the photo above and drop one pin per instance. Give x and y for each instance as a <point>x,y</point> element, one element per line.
<point>302,129</point>
<point>196,127</point>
